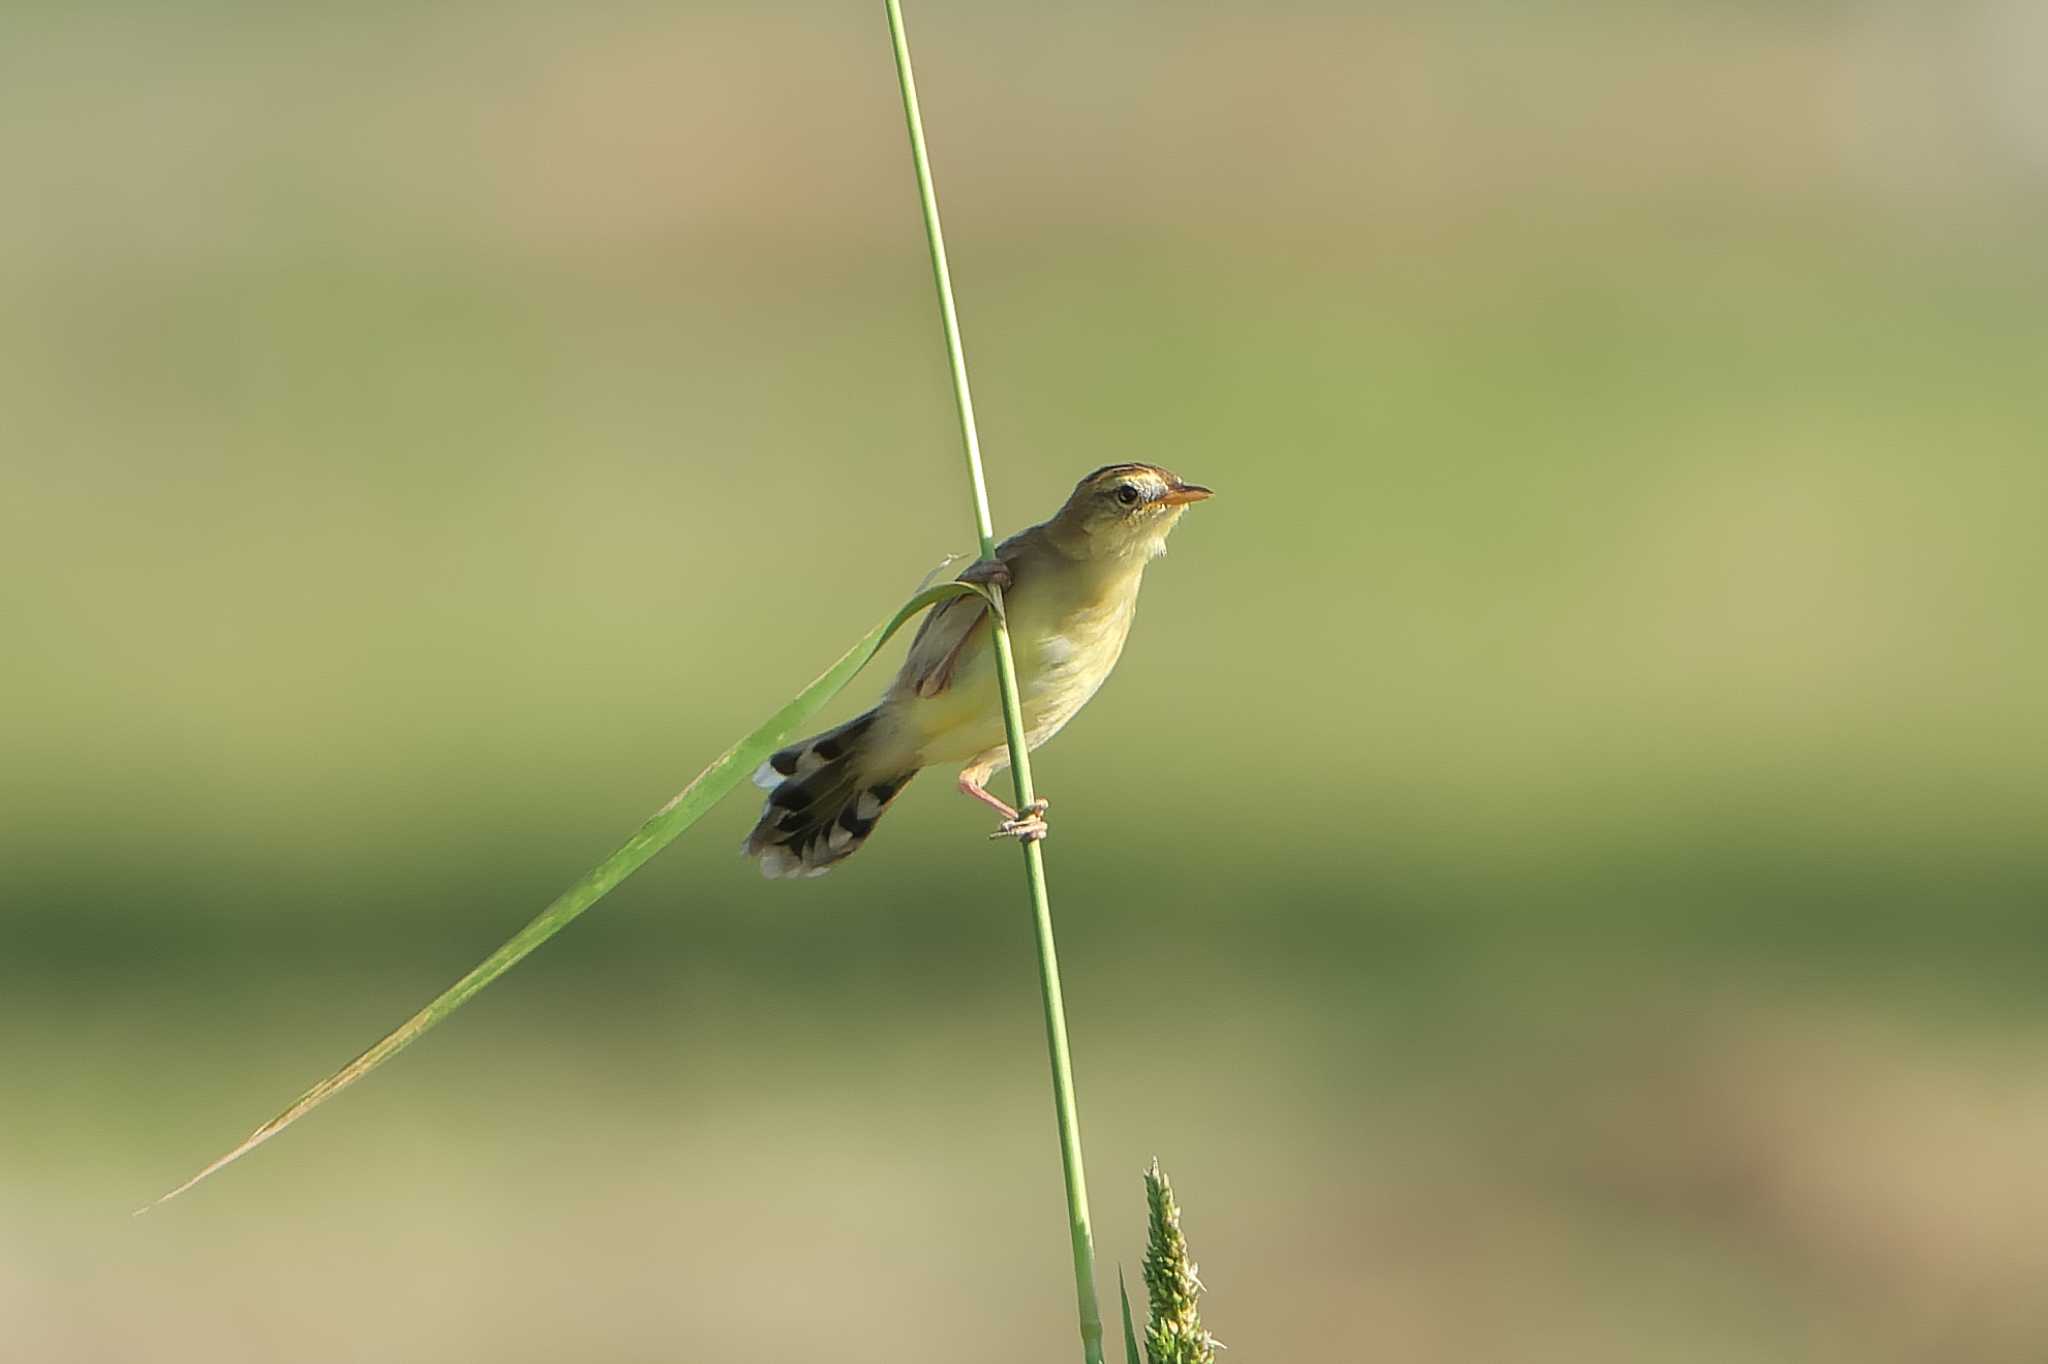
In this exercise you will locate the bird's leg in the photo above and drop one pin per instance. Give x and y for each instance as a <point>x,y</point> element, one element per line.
<point>1027,824</point>
<point>969,786</point>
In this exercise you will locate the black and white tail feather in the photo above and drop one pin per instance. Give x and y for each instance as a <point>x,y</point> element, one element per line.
<point>823,801</point>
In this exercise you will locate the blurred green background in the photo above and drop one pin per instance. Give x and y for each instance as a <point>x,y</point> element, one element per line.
<point>1557,876</point>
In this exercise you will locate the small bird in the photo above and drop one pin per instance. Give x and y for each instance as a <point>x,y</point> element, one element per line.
<point>1069,589</point>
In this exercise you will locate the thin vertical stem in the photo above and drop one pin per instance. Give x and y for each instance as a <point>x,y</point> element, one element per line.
<point>1013,725</point>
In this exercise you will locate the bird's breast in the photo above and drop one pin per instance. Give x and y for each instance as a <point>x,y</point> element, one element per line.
<point>1065,653</point>
<point>1067,630</point>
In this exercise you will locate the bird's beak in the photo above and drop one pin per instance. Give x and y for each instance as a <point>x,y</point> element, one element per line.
<point>1183,493</point>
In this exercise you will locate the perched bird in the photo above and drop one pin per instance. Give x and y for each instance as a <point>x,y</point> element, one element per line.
<point>1069,589</point>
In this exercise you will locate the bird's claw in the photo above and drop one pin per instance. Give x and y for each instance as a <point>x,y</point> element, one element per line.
<point>991,571</point>
<point>1027,825</point>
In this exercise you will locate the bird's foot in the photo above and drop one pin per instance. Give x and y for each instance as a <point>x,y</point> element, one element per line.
<point>1027,825</point>
<point>993,571</point>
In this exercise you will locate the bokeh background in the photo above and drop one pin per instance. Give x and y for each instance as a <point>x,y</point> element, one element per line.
<point>1558,875</point>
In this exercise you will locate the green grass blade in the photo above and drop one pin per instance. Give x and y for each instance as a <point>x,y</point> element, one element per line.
<point>1079,1230</point>
<point>1130,1336</point>
<point>711,785</point>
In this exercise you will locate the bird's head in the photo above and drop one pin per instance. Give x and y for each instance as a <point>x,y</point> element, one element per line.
<point>1127,509</point>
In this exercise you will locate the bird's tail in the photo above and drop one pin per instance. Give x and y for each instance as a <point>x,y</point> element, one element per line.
<point>824,795</point>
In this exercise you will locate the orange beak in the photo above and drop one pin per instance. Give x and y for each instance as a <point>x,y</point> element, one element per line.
<point>1182,494</point>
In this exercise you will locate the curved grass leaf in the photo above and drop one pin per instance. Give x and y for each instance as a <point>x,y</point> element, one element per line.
<point>726,771</point>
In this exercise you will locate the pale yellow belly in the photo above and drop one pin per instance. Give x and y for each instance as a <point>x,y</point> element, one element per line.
<point>1064,649</point>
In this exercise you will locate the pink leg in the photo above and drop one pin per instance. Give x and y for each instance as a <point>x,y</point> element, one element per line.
<point>1028,824</point>
<point>970,785</point>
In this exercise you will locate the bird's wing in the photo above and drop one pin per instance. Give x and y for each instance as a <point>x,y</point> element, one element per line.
<point>953,625</point>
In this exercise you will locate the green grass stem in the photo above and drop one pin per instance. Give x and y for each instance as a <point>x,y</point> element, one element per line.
<point>1013,724</point>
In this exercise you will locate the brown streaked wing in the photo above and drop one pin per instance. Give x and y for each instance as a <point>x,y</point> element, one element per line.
<point>935,653</point>
<point>952,625</point>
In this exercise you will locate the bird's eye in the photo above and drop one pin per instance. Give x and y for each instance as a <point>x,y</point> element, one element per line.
<point>1128,495</point>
